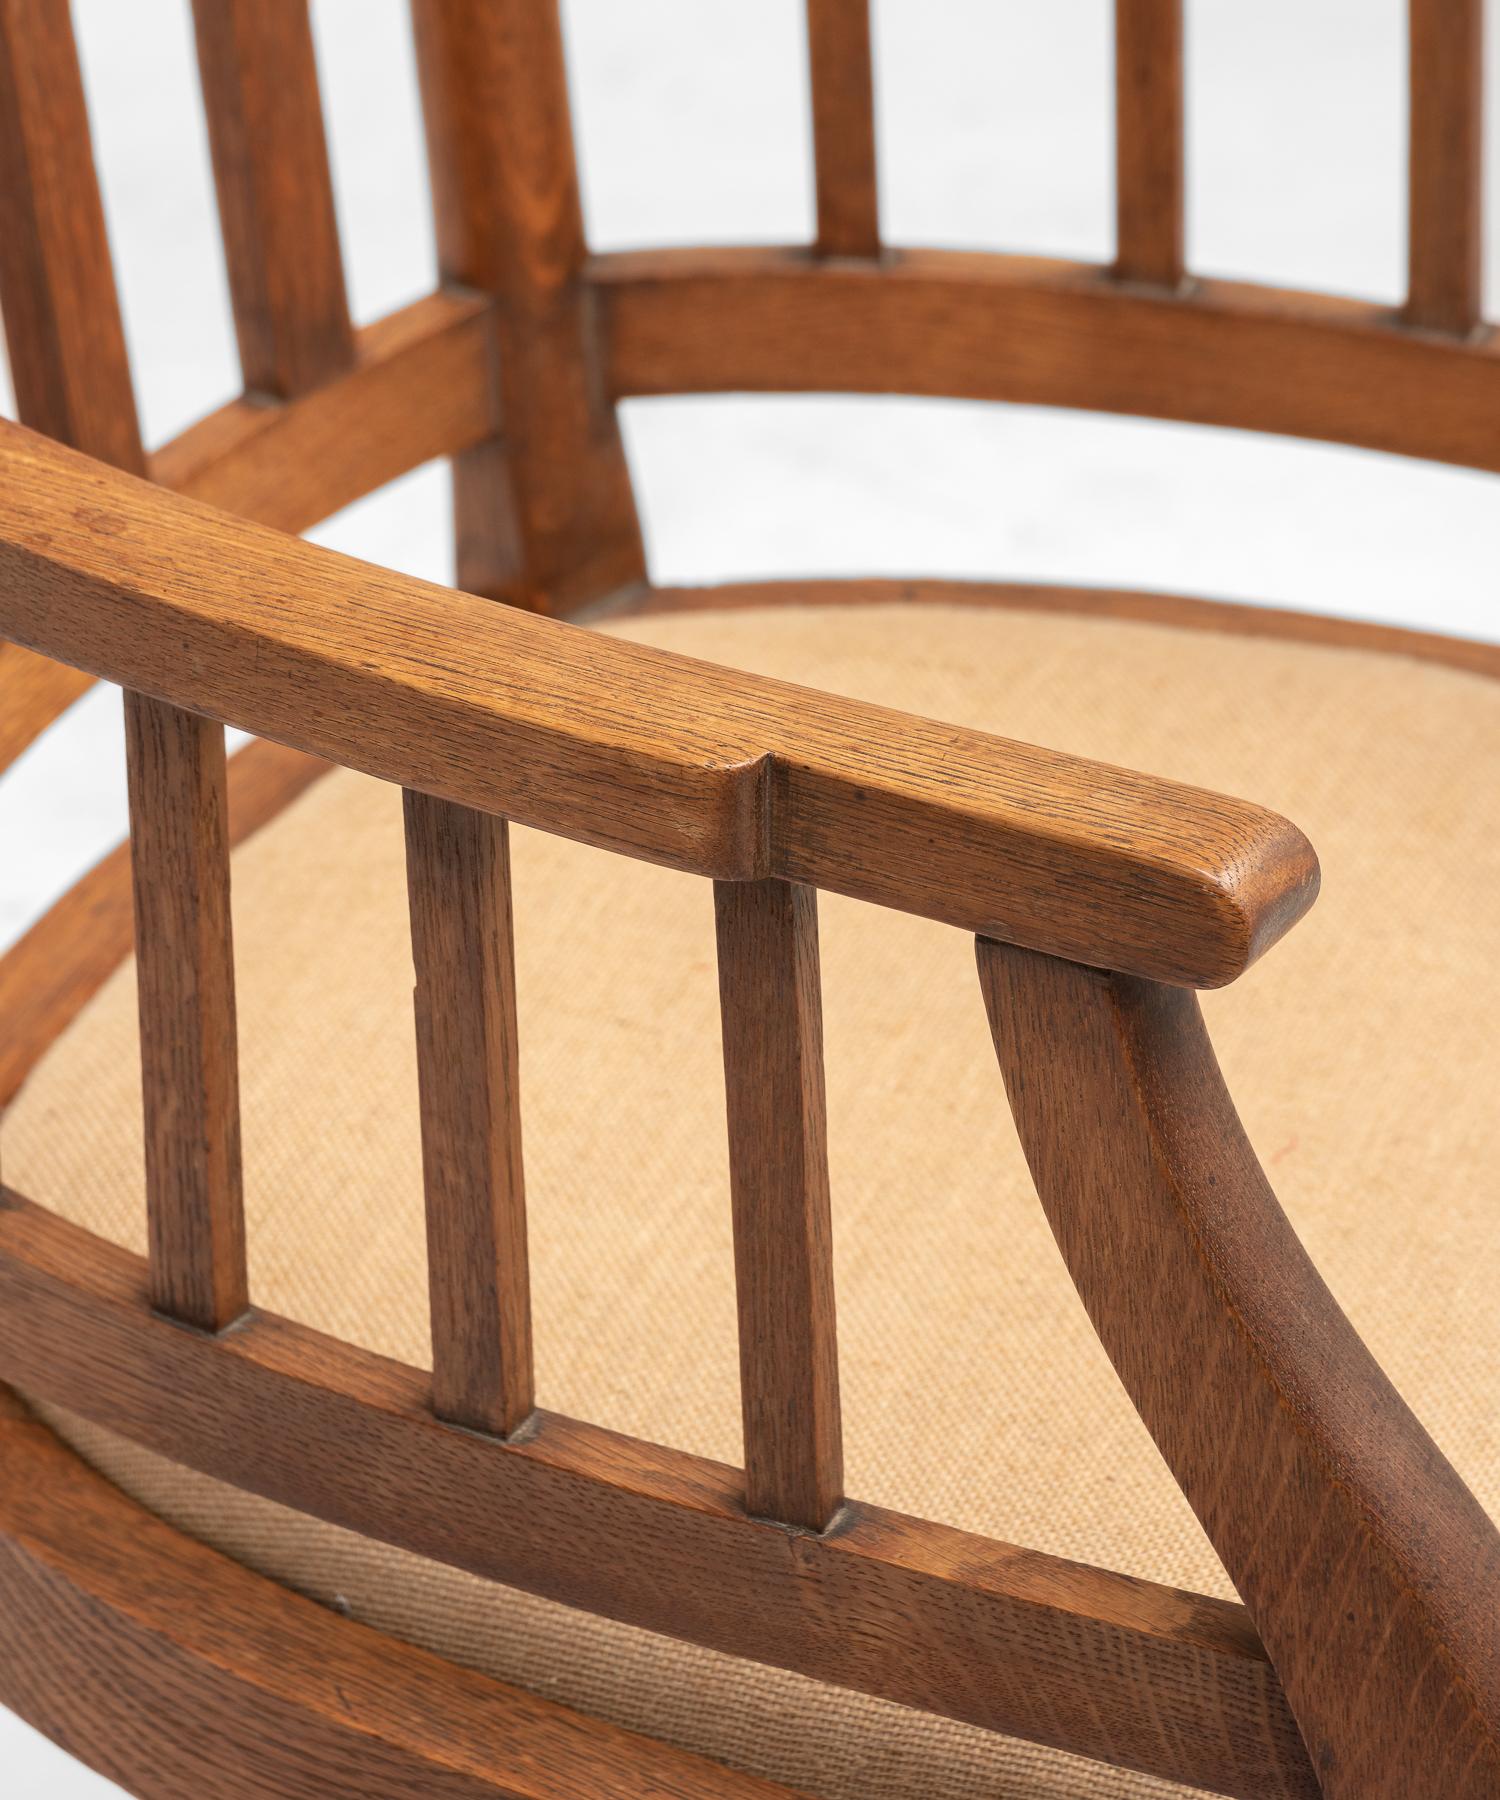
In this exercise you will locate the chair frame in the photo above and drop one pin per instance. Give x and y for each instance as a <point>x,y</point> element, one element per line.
<point>1365,1660</point>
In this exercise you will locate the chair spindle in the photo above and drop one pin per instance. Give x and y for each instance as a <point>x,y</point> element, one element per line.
<point>555,523</point>
<point>1149,141</point>
<point>72,376</point>
<point>843,117</point>
<point>276,212</point>
<point>1445,225</point>
<point>458,878</point>
<point>179,838</point>
<point>57,284</point>
<point>771,1008</point>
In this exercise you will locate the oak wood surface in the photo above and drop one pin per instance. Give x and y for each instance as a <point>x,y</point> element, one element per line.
<point>1046,333</point>
<point>1371,1575</point>
<point>73,949</point>
<point>771,1007</point>
<point>63,332</point>
<point>1149,181</point>
<point>418,389</point>
<point>553,522</point>
<point>1014,1640</point>
<point>468,1072</point>
<point>77,944</point>
<point>179,856</point>
<point>843,123</point>
<point>1445,211</point>
<point>275,188</point>
<point>181,1674</point>
<point>1371,1572</point>
<point>37,690</point>
<point>626,747</point>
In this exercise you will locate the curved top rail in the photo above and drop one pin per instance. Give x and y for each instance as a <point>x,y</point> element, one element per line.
<point>629,748</point>
<point>1044,332</point>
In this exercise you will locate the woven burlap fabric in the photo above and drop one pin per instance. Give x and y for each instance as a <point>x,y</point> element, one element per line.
<point>1363,1053</point>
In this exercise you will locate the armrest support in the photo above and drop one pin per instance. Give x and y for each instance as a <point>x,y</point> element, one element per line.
<point>656,756</point>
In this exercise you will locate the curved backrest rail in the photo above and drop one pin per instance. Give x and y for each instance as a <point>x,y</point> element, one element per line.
<point>1044,332</point>
<point>417,389</point>
<point>1009,1639</point>
<point>678,762</point>
<point>975,326</point>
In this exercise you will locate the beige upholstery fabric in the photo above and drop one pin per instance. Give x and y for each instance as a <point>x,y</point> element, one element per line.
<point>1363,1053</point>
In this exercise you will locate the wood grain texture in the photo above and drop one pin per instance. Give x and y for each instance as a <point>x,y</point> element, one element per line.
<point>1009,1639</point>
<point>1046,333</point>
<point>174,1671</point>
<point>1371,1572</point>
<point>270,160</point>
<point>418,389</point>
<point>64,337</point>
<point>1445,211</point>
<point>1149,181</point>
<point>771,1007</point>
<point>57,286</point>
<point>179,853</point>
<point>629,748</point>
<point>553,524</point>
<point>78,944</point>
<point>468,1071</point>
<point>843,122</point>
<point>51,972</point>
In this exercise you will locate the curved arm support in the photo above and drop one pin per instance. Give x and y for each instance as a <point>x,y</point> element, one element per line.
<point>1372,1574</point>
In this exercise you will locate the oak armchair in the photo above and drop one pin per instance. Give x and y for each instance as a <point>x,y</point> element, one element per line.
<point>252,1548</point>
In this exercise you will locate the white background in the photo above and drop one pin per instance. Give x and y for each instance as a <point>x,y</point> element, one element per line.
<point>995,132</point>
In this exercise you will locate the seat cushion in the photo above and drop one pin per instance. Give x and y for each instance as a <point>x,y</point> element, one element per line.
<point>1363,1054</point>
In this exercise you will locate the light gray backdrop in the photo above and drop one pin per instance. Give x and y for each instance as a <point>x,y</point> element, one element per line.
<point>995,132</point>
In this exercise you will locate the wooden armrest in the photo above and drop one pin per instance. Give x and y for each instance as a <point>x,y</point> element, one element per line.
<point>657,756</point>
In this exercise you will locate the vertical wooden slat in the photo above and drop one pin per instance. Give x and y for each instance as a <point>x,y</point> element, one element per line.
<point>57,286</point>
<point>843,118</point>
<point>458,877</point>
<point>270,157</point>
<point>72,376</point>
<point>1149,141</point>
<point>771,1005</point>
<point>179,848</point>
<point>1445,231</point>
<point>552,522</point>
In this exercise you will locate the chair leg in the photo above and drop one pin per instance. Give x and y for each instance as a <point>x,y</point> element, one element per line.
<point>1372,1574</point>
